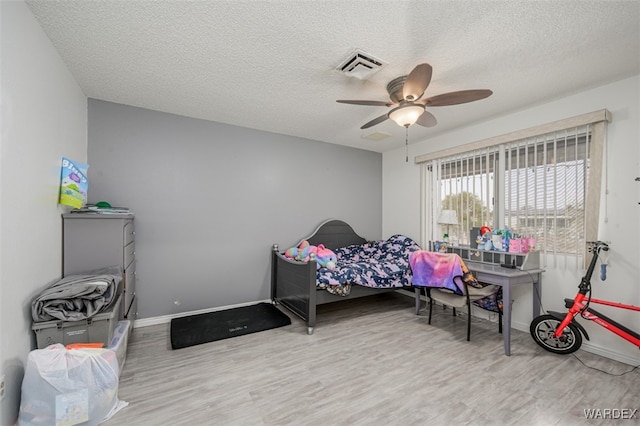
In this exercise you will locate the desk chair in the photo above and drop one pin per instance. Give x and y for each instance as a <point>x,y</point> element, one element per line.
<point>447,280</point>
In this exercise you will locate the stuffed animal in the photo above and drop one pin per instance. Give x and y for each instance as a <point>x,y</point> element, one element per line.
<point>326,258</point>
<point>484,239</point>
<point>323,256</point>
<point>292,253</point>
<point>302,252</point>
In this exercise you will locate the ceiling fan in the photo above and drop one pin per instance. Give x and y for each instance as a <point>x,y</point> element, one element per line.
<point>406,93</point>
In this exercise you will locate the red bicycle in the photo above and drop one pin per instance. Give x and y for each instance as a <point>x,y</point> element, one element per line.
<point>560,333</point>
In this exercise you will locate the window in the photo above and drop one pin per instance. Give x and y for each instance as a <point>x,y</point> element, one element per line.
<point>542,182</point>
<point>466,183</point>
<point>545,188</point>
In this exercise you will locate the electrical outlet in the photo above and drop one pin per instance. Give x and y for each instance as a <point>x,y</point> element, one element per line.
<point>2,387</point>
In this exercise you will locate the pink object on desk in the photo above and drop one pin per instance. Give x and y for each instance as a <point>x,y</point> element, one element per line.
<point>531,244</point>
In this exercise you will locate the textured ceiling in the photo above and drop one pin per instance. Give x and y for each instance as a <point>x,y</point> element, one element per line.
<point>270,65</point>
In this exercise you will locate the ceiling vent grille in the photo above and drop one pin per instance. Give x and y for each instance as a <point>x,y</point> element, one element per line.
<point>361,65</point>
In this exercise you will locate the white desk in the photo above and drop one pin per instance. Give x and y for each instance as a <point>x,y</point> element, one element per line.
<point>507,278</point>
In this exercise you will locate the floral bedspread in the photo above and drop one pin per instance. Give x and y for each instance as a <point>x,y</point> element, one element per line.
<point>378,264</point>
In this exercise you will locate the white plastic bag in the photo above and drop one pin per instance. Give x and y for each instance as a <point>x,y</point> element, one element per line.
<point>68,387</point>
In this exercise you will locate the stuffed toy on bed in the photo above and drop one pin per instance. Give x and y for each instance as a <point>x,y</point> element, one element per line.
<point>302,252</point>
<point>324,257</point>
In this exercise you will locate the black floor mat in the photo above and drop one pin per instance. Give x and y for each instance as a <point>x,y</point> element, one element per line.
<point>203,328</point>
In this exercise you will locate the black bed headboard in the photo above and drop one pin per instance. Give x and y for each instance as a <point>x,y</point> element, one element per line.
<point>335,234</point>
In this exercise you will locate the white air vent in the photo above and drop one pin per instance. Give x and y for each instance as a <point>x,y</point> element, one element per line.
<point>360,65</point>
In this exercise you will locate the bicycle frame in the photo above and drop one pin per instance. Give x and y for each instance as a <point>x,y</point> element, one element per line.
<point>581,305</point>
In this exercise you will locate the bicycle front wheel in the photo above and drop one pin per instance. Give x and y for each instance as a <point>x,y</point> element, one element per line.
<point>543,328</point>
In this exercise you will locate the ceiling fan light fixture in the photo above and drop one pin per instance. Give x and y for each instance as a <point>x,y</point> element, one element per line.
<point>406,115</point>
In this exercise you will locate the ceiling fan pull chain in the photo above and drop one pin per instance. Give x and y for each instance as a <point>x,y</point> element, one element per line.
<point>406,143</point>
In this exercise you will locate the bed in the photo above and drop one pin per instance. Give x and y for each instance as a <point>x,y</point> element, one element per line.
<point>364,268</point>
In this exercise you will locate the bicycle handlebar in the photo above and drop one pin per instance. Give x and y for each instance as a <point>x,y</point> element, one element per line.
<point>598,245</point>
<point>595,248</point>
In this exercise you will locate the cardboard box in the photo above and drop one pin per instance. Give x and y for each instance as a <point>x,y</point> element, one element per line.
<point>97,329</point>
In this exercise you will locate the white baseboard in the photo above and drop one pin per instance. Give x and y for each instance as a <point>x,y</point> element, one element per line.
<point>598,350</point>
<point>164,319</point>
<point>408,293</point>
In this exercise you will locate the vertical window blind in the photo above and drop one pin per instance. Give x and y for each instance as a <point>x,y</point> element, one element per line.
<point>545,189</point>
<point>542,182</point>
<point>466,183</point>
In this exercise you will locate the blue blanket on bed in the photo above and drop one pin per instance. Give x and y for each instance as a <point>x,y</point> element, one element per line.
<point>379,264</point>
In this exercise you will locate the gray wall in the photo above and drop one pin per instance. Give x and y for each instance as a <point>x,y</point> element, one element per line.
<point>210,200</point>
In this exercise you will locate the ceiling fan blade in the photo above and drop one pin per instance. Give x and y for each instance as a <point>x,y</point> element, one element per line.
<point>371,103</point>
<point>375,121</point>
<point>455,98</point>
<point>427,119</point>
<point>417,82</point>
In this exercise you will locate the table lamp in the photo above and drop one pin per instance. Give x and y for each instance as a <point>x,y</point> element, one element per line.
<point>448,217</point>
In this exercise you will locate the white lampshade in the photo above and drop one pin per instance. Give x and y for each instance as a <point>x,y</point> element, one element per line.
<point>448,217</point>
<point>406,115</point>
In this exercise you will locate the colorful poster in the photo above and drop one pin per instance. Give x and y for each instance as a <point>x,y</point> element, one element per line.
<point>73,183</point>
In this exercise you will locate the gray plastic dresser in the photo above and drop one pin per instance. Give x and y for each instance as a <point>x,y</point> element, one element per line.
<point>93,241</point>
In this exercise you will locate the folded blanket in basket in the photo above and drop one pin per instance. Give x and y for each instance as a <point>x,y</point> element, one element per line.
<point>77,297</point>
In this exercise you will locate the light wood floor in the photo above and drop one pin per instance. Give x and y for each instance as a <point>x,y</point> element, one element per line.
<point>370,362</point>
